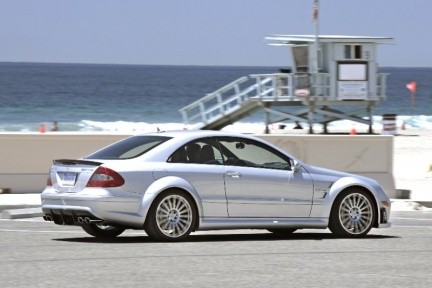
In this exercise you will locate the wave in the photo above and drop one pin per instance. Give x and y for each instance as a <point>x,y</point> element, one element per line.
<point>408,122</point>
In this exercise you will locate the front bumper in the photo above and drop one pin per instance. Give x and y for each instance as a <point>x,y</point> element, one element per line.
<point>384,215</point>
<point>384,225</point>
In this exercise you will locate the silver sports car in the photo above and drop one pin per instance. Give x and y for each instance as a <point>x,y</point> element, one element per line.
<point>173,183</point>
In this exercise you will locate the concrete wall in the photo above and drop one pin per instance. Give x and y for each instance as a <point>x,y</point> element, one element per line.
<point>367,155</point>
<point>26,158</point>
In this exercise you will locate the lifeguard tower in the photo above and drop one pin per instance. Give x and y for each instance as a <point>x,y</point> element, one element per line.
<point>332,77</point>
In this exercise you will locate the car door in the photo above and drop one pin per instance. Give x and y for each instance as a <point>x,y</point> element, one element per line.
<point>200,163</point>
<point>260,182</point>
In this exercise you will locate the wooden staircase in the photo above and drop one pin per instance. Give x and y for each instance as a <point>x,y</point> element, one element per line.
<point>310,93</point>
<point>238,99</point>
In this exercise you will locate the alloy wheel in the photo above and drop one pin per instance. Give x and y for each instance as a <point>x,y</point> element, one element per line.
<point>174,216</point>
<point>356,213</point>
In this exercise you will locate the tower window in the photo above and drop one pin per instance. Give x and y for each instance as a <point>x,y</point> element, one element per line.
<point>353,51</point>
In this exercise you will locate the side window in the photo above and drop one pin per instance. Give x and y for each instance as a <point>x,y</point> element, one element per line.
<point>203,151</point>
<point>244,152</point>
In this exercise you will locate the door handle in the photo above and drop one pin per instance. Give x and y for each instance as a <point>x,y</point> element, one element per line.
<point>233,174</point>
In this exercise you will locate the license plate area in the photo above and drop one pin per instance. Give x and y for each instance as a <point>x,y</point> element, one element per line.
<point>67,178</point>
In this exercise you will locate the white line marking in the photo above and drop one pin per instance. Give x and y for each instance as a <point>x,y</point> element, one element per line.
<point>38,231</point>
<point>62,231</point>
<point>407,226</point>
<point>420,219</point>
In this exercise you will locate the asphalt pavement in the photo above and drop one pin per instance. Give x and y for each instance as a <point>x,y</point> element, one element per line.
<point>34,253</point>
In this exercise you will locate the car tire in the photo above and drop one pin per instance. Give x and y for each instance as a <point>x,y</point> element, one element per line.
<point>102,231</point>
<point>282,231</point>
<point>353,214</point>
<point>172,217</point>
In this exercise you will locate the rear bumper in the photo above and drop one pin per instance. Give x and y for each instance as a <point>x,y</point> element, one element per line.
<point>67,208</point>
<point>67,215</point>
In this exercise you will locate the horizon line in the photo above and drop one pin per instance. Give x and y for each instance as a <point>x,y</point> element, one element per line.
<point>170,65</point>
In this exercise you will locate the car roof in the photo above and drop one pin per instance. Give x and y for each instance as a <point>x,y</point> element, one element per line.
<point>187,134</point>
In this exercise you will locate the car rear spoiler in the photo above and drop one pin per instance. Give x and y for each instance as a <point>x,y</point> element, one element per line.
<point>76,162</point>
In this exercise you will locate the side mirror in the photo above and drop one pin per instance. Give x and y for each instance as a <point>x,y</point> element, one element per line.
<point>297,166</point>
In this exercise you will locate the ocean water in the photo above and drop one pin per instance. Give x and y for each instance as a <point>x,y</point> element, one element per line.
<point>140,98</point>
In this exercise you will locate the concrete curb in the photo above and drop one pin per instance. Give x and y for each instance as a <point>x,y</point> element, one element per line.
<point>21,213</point>
<point>427,204</point>
<point>19,206</point>
<point>409,205</point>
<point>15,206</point>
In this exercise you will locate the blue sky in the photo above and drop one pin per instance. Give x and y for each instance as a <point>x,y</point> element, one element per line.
<point>202,32</point>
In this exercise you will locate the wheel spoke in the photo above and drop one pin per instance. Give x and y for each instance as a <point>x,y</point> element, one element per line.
<point>181,226</point>
<point>165,206</point>
<point>345,221</point>
<point>356,227</point>
<point>351,202</point>
<point>181,207</point>
<point>165,225</point>
<point>174,203</point>
<point>345,209</point>
<point>170,203</point>
<point>363,222</point>
<point>185,222</point>
<point>363,205</point>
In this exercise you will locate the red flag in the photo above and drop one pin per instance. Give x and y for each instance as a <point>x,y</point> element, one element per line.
<point>412,86</point>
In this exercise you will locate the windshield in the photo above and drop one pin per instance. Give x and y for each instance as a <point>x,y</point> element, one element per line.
<point>128,148</point>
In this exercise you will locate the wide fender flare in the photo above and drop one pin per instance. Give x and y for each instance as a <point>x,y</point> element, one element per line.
<point>163,184</point>
<point>341,185</point>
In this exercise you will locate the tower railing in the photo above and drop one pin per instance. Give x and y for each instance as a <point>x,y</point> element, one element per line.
<point>256,88</point>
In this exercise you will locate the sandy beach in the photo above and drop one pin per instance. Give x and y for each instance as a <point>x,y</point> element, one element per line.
<point>412,163</point>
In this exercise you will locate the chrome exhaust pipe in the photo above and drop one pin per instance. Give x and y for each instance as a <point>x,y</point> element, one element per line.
<point>47,218</point>
<point>88,220</point>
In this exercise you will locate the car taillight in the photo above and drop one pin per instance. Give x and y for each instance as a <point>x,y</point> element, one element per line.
<point>105,177</point>
<point>48,181</point>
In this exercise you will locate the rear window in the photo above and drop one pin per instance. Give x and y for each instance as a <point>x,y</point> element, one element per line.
<point>129,148</point>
